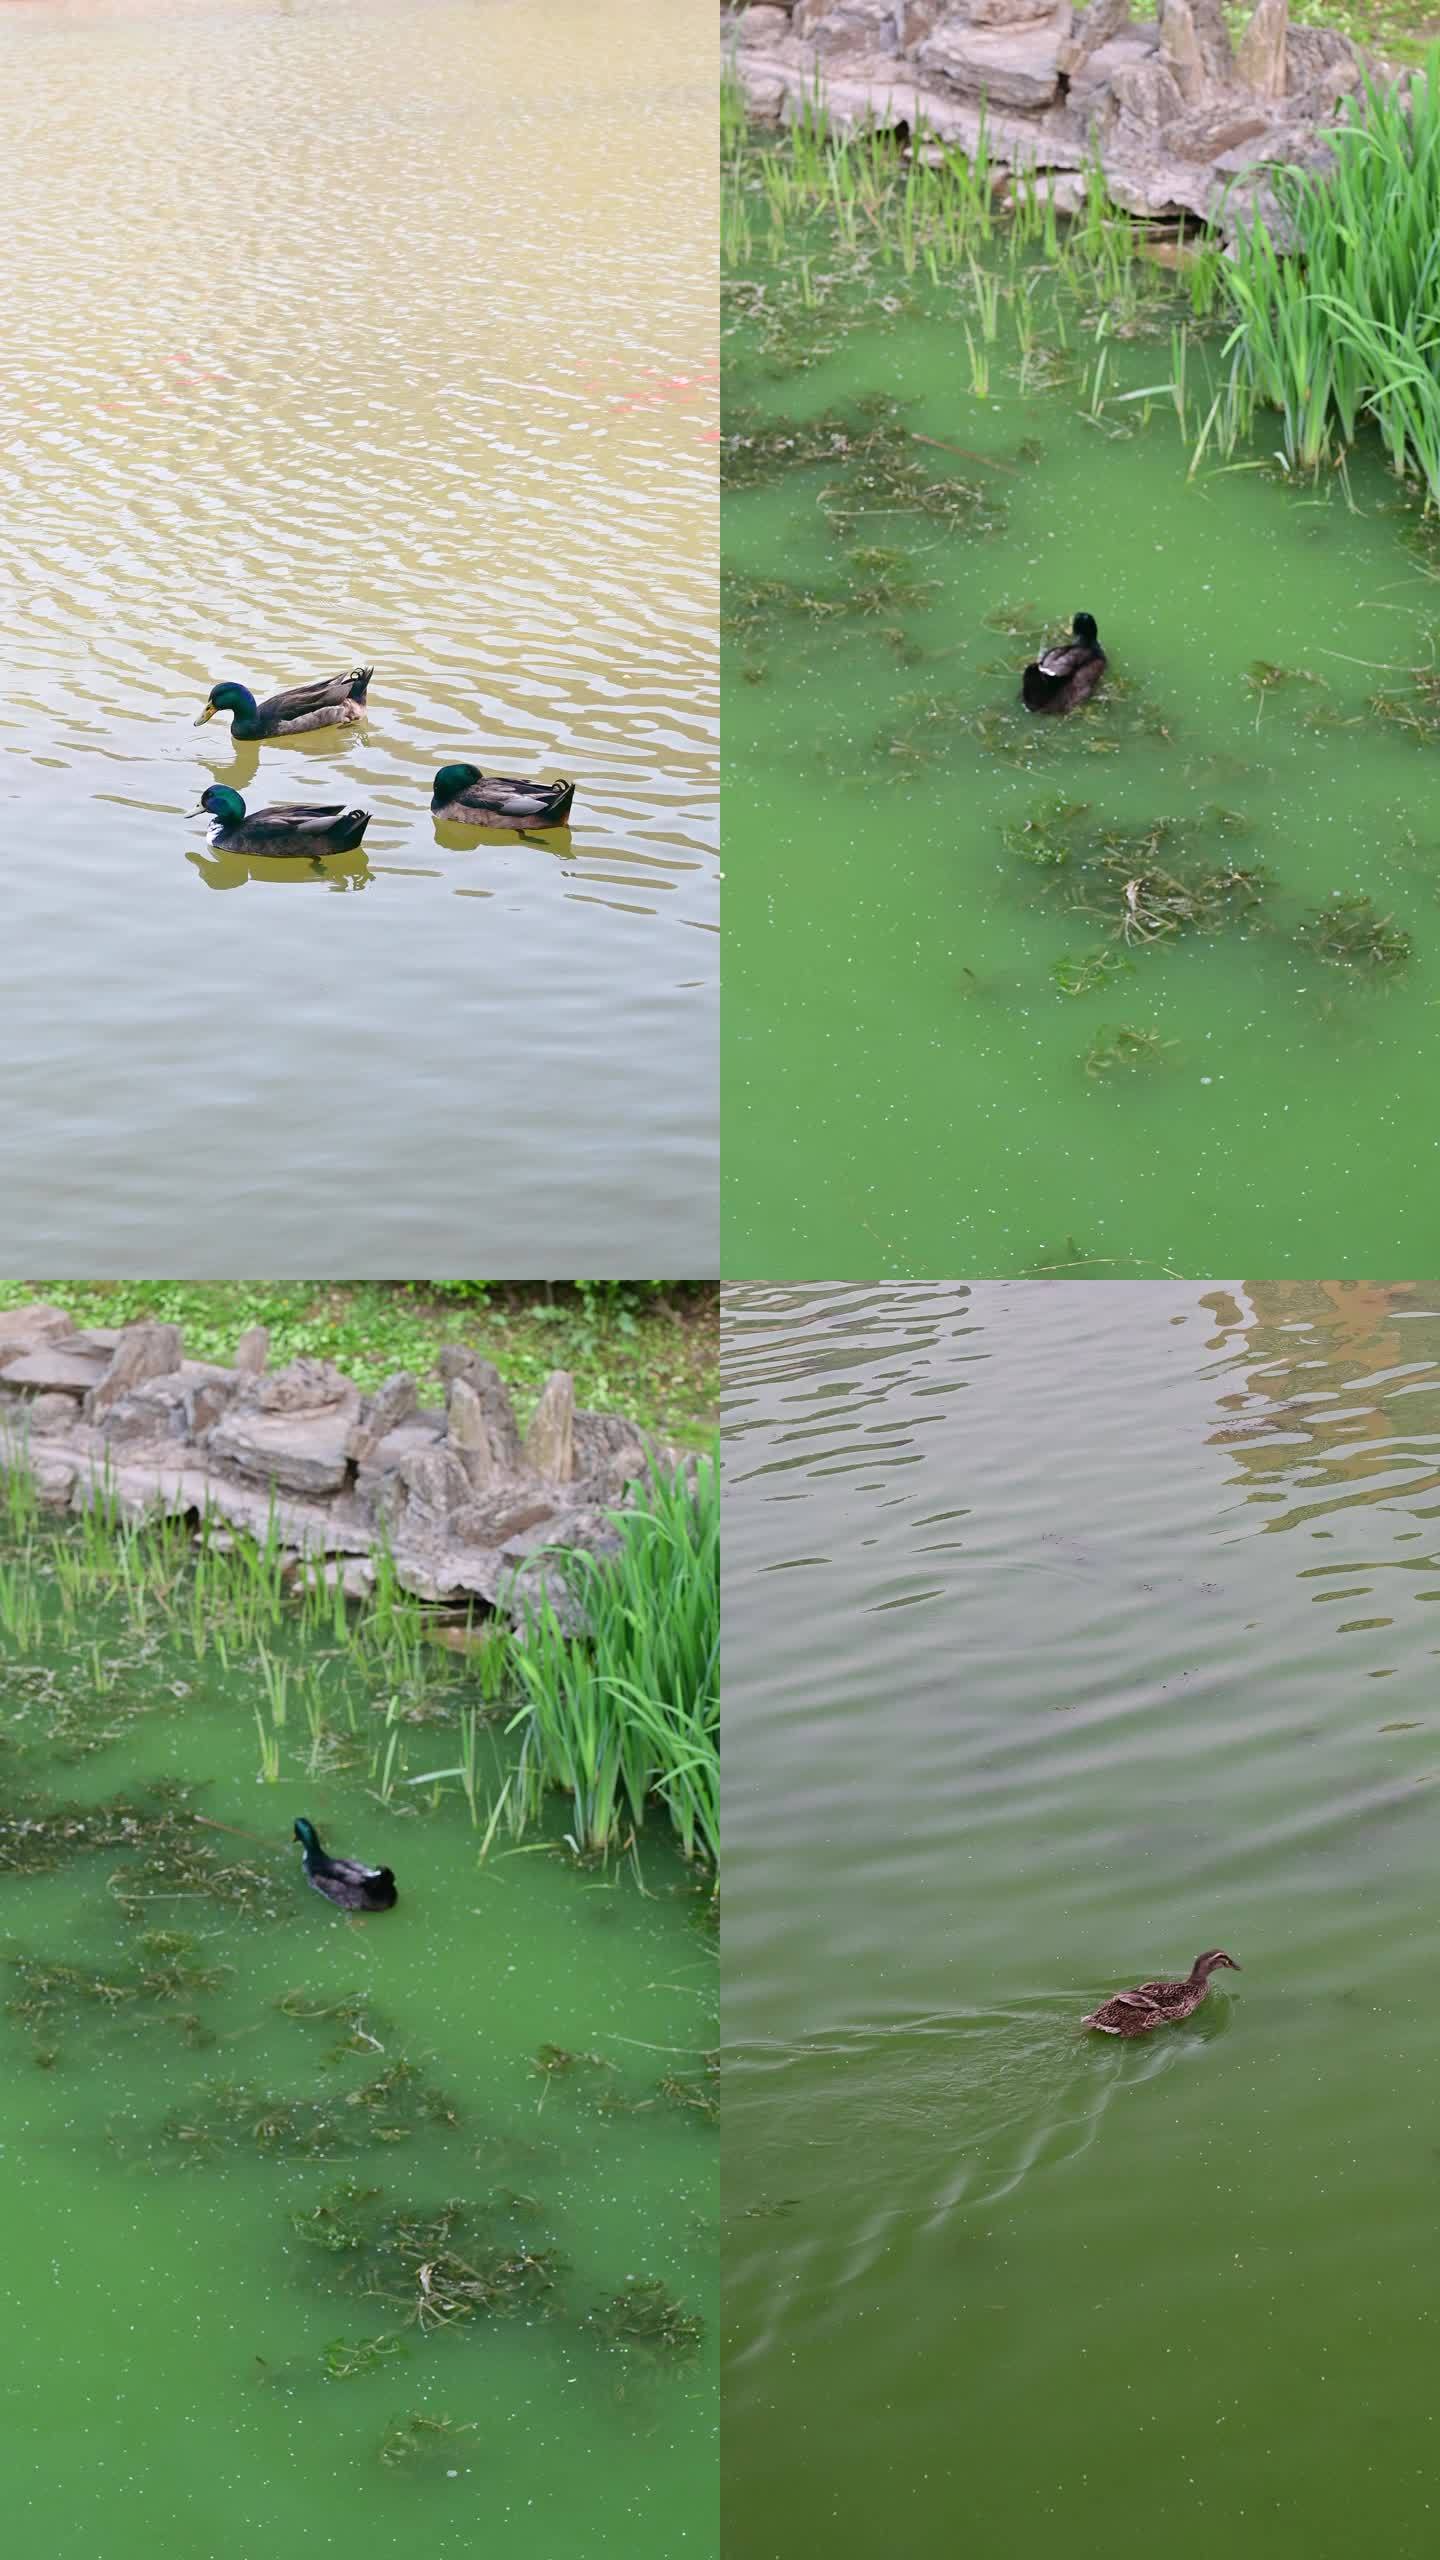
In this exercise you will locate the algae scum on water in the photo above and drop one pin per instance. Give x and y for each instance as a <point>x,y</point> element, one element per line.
<point>395,2226</point>
<point>1065,983</point>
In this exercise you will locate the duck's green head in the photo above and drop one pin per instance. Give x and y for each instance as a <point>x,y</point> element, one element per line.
<point>223,804</point>
<point>227,697</point>
<point>308,1837</point>
<point>452,779</point>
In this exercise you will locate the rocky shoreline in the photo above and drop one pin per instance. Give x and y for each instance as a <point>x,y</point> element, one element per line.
<point>1182,120</point>
<point>457,1495</point>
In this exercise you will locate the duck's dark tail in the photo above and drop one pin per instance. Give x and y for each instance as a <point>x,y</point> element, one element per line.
<point>1039,691</point>
<point>559,807</point>
<point>359,684</point>
<point>347,831</point>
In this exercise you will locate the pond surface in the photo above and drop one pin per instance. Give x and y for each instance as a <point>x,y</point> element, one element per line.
<point>906,1090</point>
<point>195,2371</point>
<point>1069,1632</point>
<point>344,335</point>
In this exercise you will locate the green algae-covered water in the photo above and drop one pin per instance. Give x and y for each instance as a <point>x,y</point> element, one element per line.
<point>905,1081</point>
<point>222,2100</point>
<point>1071,1631</point>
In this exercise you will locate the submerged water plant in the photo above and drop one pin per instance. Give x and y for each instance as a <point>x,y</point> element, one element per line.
<point>1351,933</point>
<point>1117,1046</point>
<point>436,2266</point>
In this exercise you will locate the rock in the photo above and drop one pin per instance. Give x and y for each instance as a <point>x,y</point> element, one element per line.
<point>354,1574</point>
<point>764,26</point>
<point>1260,62</point>
<point>837,27</point>
<point>1139,102</point>
<point>550,1440</point>
<point>1321,67</point>
<point>57,1371</point>
<point>1095,26</point>
<point>457,1362</point>
<point>914,20</point>
<point>306,1386</point>
<point>1212,35</point>
<point>503,1516</point>
<point>1215,129</point>
<point>393,1403</point>
<point>26,1328</point>
<point>591,1532</point>
<point>48,1413</point>
<point>1009,13</point>
<point>142,1351</point>
<point>305,1452</point>
<point>1011,67</point>
<point>468,1433</point>
<point>1180,52</point>
<point>427,1487</point>
<point>609,1448</point>
<point>252,1351</point>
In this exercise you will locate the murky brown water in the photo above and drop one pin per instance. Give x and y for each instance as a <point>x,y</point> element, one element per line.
<point>381,333</point>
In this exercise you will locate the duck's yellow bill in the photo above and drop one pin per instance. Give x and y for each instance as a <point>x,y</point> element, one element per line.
<point>207,714</point>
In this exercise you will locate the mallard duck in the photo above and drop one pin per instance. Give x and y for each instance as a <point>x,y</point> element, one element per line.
<point>294,827</point>
<point>1066,675</point>
<point>344,1881</point>
<point>1158,2004</point>
<point>470,798</point>
<point>332,702</point>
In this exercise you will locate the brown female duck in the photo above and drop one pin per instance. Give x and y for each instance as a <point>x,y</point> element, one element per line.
<point>1158,2004</point>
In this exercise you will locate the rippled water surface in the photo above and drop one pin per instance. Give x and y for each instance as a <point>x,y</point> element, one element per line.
<point>1069,1631</point>
<point>339,334</point>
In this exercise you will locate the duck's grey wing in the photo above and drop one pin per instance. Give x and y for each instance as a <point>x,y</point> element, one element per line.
<point>327,692</point>
<point>291,818</point>
<point>1063,659</point>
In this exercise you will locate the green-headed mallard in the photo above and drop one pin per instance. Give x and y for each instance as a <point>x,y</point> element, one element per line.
<point>331,702</point>
<point>470,798</point>
<point>293,827</point>
<point>344,1881</point>
<point>1158,2004</point>
<point>1066,675</point>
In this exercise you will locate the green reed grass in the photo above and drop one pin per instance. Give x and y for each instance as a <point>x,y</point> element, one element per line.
<point>1335,306</point>
<point>631,1712</point>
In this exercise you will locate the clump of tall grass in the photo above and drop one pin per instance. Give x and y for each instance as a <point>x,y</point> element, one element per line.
<point>1335,302</point>
<point>629,1711</point>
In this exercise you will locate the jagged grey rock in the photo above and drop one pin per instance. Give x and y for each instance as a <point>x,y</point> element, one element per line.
<point>244,1451</point>
<point>142,1351</point>
<point>1260,63</point>
<point>1049,89</point>
<point>550,1440</point>
<point>1180,52</point>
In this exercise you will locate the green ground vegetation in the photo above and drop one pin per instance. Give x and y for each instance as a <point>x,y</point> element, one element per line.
<point>648,1349</point>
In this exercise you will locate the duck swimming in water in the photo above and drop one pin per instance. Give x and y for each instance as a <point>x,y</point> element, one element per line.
<point>1064,676</point>
<point>1158,2004</point>
<point>470,798</point>
<point>344,1881</point>
<point>294,827</point>
<point>331,702</point>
